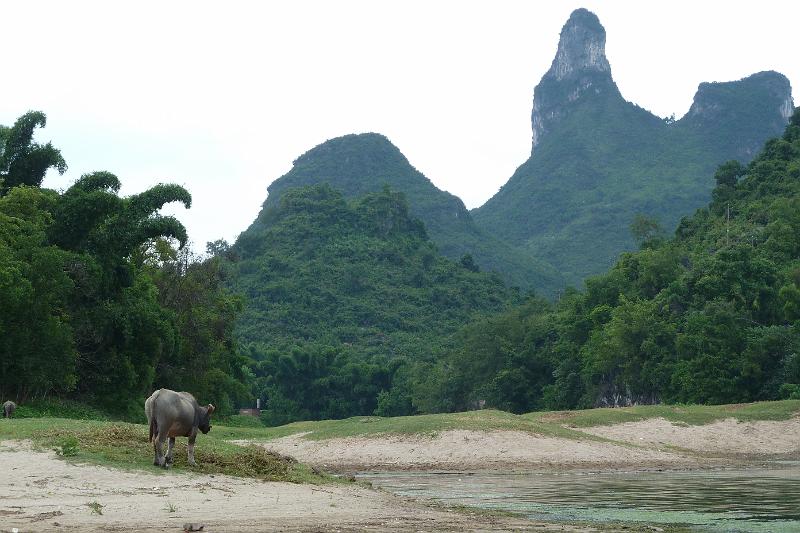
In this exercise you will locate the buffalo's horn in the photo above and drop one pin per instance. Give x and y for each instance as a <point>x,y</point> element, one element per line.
<point>211,408</point>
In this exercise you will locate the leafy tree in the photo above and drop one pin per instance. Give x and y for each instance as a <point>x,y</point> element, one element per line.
<point>467,262</point>
<point>98,304</point>
<point>37,352</point>
<point>205,358</point>
<point>728,173</point>
<point>22,161</point>
<point>628,360</point>
<point>647,231</point>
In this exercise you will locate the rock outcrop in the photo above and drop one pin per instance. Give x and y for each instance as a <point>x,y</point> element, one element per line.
<point>580,67</point>
<point>755,107</point>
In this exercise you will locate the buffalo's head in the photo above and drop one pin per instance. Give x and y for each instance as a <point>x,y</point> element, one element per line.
<point>205,419</point>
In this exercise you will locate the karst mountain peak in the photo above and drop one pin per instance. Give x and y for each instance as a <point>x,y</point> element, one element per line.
<point>582,46</point>
<point>598,160</point>
<point>580,67</point>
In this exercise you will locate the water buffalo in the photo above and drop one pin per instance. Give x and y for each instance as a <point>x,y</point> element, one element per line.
<point>175,414</point>
<point>8,409</point>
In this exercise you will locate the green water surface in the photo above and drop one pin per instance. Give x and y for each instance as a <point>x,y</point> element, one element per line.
<point>758,499</point>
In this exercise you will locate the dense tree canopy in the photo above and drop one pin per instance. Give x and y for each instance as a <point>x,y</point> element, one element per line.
<point>341,294</point>
<point>97,304</point>
<point>709,316</point>
<point>344,306</point>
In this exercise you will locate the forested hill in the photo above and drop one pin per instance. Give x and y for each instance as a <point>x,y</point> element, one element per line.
<point>597,160</point>
<point>711,315</point>
<point>342,296</point>
<point>360,273</point>
<point>360,164</point>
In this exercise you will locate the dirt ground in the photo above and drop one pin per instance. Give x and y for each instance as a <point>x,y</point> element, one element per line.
<point>648,445</point>
<point>39,492</point>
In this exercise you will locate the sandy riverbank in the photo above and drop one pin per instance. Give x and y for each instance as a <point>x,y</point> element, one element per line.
<point>724,438</point>
<point>648,445</point>
<point>40,492</point>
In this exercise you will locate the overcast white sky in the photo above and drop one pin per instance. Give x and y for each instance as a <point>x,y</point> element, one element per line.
<point>221,97</point>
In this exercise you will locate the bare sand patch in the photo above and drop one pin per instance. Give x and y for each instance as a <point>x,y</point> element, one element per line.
<point>39,492</point>
<point>724,437</point>
<point>473,450</point>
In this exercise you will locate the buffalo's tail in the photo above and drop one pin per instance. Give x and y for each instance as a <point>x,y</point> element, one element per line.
<point>153,428</point>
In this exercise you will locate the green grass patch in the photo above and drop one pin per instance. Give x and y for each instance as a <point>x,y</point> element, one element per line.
<point>239,421</point>
<point>430,425</point>
<point>692,415</point>
<point>124,445</point>
<point>548,424</point>
<point>67,446</point>
<point>61,409</point>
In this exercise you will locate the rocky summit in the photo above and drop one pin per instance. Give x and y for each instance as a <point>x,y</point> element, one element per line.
<point>580,65</point>
<point>598,161</point>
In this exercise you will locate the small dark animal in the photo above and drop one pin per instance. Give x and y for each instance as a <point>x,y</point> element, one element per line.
<point>175,414</point>
<point>8,409</point>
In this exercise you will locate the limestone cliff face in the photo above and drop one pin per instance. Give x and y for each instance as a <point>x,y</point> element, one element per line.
<point>750,109</point>
<point>713,99</point>
<point>579,68</point>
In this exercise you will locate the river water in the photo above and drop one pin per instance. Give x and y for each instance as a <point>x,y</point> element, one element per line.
<point>762,499</point>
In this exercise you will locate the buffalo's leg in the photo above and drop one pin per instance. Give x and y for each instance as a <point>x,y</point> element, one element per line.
<point>154,439</point>
<point>158,444</point>
<point>191,451</point>
<point>170,451</point>
<point>156,451</point>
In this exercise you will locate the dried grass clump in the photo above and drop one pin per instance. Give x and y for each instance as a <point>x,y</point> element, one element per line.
<point>250,461</point>
<point>128,435</point>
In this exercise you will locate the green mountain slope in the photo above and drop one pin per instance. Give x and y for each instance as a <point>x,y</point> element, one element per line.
<point>359,274</point>
<point>360,164</point>
<point>598,160</point>
<point>709,316</point>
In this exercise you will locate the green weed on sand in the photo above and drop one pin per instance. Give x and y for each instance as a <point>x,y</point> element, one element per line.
<point>126,445</point>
